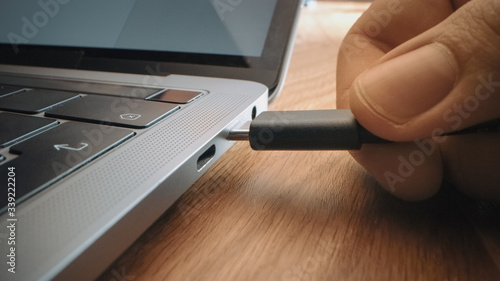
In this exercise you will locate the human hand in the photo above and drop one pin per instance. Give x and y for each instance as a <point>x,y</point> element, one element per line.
<point>415,69</point>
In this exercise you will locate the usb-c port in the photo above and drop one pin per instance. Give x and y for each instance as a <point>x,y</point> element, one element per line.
<point>205,158</point>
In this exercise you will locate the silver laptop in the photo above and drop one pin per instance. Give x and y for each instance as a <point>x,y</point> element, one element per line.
<point>110,110</point>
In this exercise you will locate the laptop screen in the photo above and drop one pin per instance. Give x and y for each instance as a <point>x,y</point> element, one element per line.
<point>245,39</point>
<point>211,27</point>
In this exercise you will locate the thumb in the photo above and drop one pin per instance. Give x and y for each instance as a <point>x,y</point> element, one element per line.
<point>443,80</point>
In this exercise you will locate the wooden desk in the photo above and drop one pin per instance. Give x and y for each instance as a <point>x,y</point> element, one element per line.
<point>312,215</point>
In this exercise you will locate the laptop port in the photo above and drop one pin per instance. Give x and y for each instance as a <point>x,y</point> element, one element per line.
<point>205,158</point>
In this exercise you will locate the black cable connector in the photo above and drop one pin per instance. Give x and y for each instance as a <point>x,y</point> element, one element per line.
<point>317,130</point>
<point>305,130</point>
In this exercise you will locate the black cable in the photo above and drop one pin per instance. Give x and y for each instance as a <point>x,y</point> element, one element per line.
<point>316,130</point>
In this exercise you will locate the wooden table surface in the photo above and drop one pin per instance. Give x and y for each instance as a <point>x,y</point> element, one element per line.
<point>312,215</point>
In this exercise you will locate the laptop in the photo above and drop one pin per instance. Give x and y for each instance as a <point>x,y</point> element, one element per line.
<point>110,110</point>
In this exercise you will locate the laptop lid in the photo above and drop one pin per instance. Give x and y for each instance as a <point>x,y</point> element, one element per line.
<point>218,38</point>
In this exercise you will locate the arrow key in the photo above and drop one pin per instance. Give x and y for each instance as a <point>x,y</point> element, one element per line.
<point>82,146</point>
<point>53,154</point>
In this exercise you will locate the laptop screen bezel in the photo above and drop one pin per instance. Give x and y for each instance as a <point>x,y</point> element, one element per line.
<point>265,69</point>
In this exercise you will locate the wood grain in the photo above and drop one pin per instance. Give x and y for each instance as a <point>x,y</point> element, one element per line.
<point>312,215</point>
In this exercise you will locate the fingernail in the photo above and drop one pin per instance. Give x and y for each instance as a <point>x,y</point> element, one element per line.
<point>410,84</point>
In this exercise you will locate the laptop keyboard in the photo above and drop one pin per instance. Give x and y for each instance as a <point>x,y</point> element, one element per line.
<point>124,112</point>
<point>34,101</point>
<point>16,127</point>
<point>6,90</point>
<point>47,134</point>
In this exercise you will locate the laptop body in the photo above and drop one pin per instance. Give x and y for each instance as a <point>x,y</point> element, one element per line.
<point>103,170</point>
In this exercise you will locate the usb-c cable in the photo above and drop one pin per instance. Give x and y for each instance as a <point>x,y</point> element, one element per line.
<point>316,130</point>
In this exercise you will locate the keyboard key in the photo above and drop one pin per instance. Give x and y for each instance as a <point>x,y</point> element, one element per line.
<point>55,153</point>
<point>124,112</point>
<point>7,90</point>
<point>34,101</point>
<point>176,96</point>
<point>15,127</point>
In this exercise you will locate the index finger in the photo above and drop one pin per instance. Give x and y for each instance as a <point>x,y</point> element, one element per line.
<point>385,25</point>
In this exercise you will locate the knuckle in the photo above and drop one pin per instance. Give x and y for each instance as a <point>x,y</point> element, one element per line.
<point>474,34</point>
